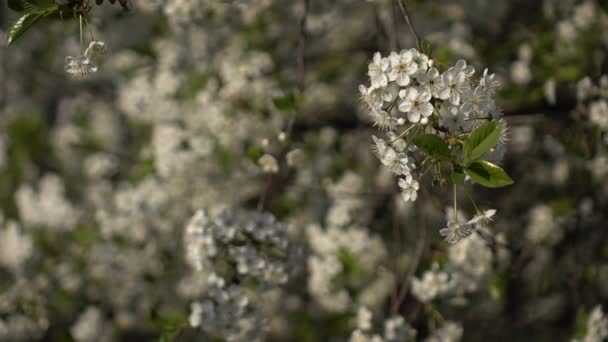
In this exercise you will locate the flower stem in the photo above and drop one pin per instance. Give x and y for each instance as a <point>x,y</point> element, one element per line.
<point>455,202</point>
<point>81,38</point>
<point>473,202</point>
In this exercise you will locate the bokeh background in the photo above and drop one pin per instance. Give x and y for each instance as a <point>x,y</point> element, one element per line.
<point>100,177</point>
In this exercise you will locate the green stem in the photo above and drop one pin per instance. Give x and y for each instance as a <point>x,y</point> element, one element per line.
<point>403,133</point>
<point>473,202</point>
<point>455,203</point>
<point>81,38</point>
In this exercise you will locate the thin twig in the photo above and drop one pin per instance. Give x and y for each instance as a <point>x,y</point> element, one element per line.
<point>301,79</point>
<point>409,23</point>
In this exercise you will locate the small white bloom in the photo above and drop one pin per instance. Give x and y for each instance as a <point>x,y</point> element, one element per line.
<point>396,162</point>
<point>453,85</point>
<point>96,49</point>
<point>431,81</point>
<point>375,97</point>
<point>456,232</point>
<point>295,157</point>
<point>475,101</point>
<point>415,103</point>
<point>269,164</point>
<point>422,61</point>
<point>402,67</point>
<point>383,119</point>
<point>409,187</point>
<point>377,70</point>
<point>461,66</point>
<point>79,67</point>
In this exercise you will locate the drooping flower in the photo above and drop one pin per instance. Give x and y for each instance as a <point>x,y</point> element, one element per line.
<point>95,50</point>
<point>456,232</point>
<point>79,67</point>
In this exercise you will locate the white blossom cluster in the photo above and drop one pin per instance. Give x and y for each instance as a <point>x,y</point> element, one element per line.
<point>396,329</point>
<point>597,326</point>
<point>47,205</point>
<point>449,332</point>
<point>344,258</point>
<point>594,98</point>
<point>15,246</point>
<point>407,91</point>
<point>235,253</point>
<point>543,226</point>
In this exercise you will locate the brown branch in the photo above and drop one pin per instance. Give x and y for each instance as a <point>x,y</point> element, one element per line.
<point>409,23</point>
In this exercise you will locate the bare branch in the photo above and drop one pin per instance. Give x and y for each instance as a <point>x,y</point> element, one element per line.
<point>409,23</point>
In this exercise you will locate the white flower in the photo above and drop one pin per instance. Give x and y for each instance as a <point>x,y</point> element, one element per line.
<point>489,82</point>
<point>396,162</point>
<point>453,119</point>
<point>364,319</point>
<point>79,67</point>
<point>456,232</point>
<point>431,81</point>
<point>483,218</point>
<point>475,101</point>
<point>15,247</point>
<point>453,85</point>
<point>377,71</point>
<point>461,66</point>
<point>409,187</point>
<point>379,146</point>
<point>96,48</point>
<point>422,61</point>
<point>295,158</point>
<point>584,89</point>
<point>375,97</point>
<point>598,113</point>
<point>383,119</point>
<point>402,67</point>
<point>521,73</point>
<point>415,103</point>
<point>269,164</point>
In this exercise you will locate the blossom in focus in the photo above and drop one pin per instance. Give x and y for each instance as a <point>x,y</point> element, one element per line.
<point>79,67</point>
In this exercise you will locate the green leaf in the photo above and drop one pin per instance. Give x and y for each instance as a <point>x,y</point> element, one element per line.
<point>254,153</point>
<point>457,178</point>
<point>21,26</point>
<point>28,6</point>
<point>481,140</point>
<point>287,103</point>
<point>488,174</point>
<point>34,12</point>
<point>433,146</point>
<point>427,48</point>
